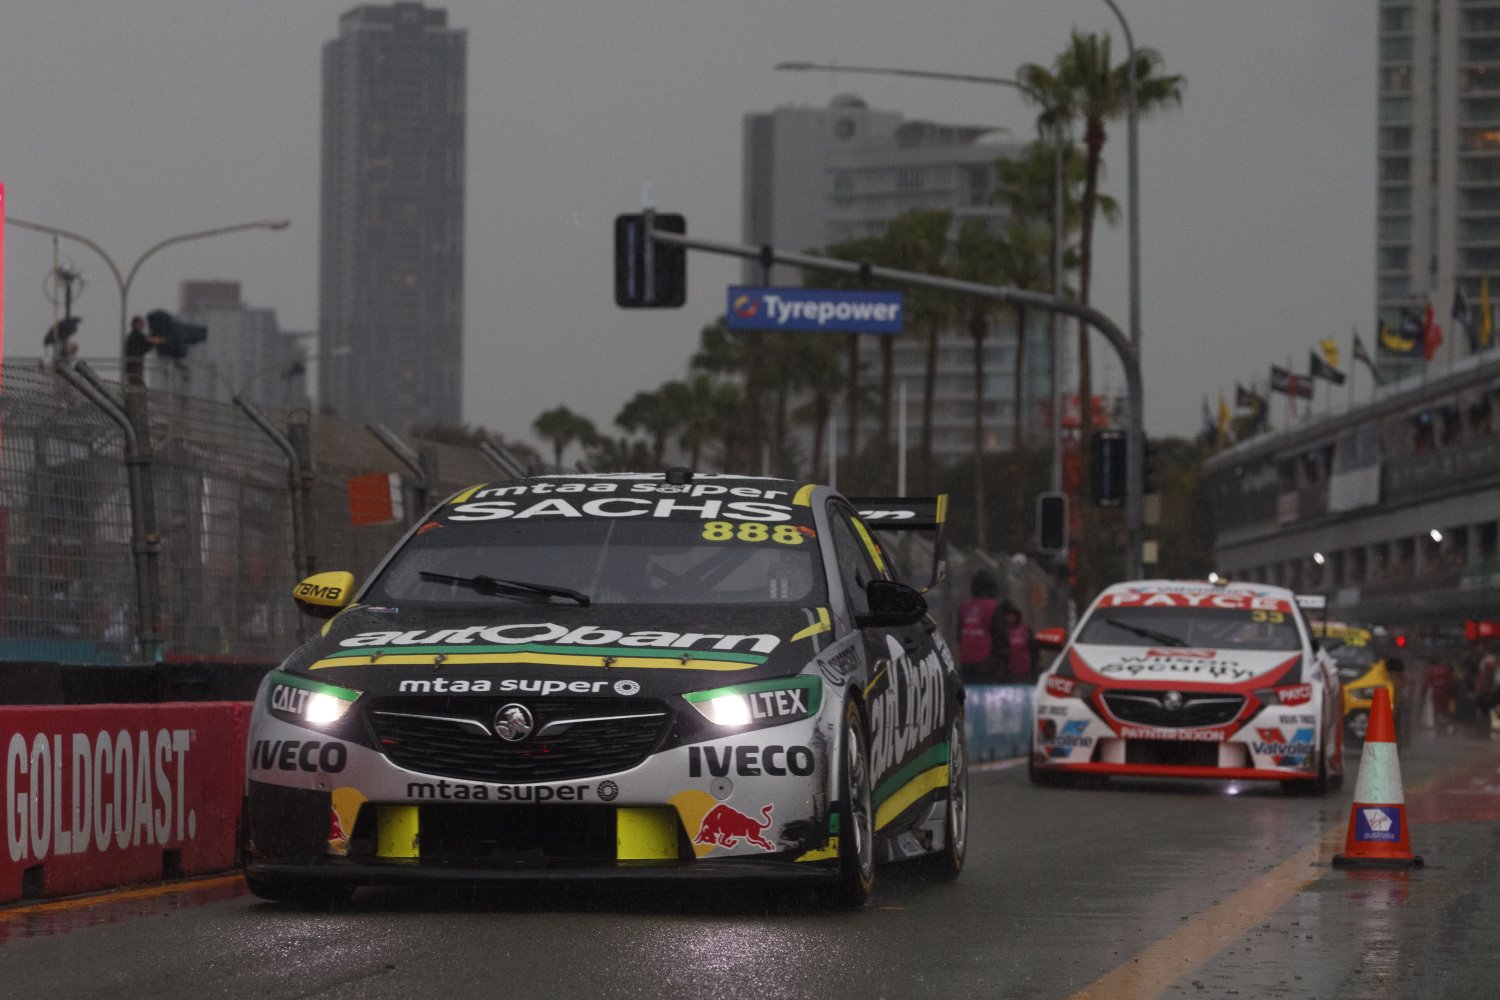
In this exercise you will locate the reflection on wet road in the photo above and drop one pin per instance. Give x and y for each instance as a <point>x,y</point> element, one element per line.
<point>1142,889</point>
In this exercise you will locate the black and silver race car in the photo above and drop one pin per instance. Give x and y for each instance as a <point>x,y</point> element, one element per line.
<point>651,676</point>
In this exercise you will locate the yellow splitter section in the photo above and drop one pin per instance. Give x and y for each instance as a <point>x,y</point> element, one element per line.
<point>641,834</point>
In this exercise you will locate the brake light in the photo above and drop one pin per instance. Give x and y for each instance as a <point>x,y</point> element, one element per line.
<point>1296,694</point>
<point>1061,687</point>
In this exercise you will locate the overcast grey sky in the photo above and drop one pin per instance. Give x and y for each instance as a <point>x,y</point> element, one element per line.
<point>133,120</point>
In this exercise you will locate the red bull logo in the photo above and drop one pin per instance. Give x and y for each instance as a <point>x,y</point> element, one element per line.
<point>725,826</point>
<point>336,832</point>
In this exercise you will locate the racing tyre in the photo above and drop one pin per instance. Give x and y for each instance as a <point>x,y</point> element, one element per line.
<point>1044,778</point>
<point>309,894</point>
<point>1318,786</point>
<point>947,863</point>
<point>856,813</point>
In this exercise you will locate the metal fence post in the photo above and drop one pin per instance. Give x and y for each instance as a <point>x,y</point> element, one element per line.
<point>299,434</point>
<point>145,541</point>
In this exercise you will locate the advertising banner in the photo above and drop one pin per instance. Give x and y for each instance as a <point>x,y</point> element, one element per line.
<point>814,309</point>
<point>97,796</point>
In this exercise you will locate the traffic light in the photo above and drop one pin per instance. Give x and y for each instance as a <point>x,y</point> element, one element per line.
<point>669,263</point>
<point>1107,468</point>
<point>177,335</point>
<point>1052,522</point>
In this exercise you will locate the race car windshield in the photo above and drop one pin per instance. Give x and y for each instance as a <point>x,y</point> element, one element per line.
<point>656,561</point>
<point>1199,628</point>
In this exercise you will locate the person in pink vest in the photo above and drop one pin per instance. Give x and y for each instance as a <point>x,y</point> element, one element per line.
<point>982,646</point>
<point>1021,662</point>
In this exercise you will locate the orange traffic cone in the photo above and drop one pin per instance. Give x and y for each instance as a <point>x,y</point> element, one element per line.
<point>1377,835</point>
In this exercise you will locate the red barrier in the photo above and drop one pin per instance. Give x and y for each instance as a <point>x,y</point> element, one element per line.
<point>98,796</point>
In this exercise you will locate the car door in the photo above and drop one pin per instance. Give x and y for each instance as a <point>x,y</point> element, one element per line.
<point>905,696</point>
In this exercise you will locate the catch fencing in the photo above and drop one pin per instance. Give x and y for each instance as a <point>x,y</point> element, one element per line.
<point>222,548</point>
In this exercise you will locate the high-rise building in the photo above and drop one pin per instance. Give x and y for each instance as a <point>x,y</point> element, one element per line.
<point>816,176</point>
<point>246,353</point>
<point>391,272</point>
<point>1438,227</point>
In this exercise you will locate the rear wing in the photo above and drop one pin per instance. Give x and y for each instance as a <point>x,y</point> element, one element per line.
<point>902,514</point>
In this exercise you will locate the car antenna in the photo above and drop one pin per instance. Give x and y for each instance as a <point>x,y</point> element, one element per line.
<point>679,475</point>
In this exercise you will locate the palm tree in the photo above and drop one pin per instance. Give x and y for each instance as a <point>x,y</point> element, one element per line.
<point>980,257</point>
<point>866,250</point>
<point>712,414</point>
<point>918,241</point>
<point>657,414</point>
<point>561,427</point>
<point>1084,88</point>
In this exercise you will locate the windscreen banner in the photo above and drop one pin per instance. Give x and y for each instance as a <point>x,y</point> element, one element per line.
<point>98,796</point>
<point>813,309</point>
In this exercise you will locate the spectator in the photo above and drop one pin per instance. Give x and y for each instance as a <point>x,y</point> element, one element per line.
<point>981,633</point>
<point>138,343</point>
<point>1440,689</point>
<point>1406,704</point>
<point>1020,666</point>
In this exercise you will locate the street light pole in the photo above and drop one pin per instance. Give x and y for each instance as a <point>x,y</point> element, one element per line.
<point>1057,213</point>
<point>124,281</point>
<point>1134,183</point>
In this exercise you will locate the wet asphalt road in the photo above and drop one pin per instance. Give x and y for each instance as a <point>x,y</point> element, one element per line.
<point>1139,890</point>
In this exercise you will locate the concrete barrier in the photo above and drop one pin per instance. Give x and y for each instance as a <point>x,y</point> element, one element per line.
<point>997,720</point>
<point>98,796</point>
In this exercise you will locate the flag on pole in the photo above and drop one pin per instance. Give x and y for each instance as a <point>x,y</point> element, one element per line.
<point>1330,351</point>
<point>1432,334</point>
<point>1249,399</point>
<point>1405,342</point>
<point>1210,434</point>
<point>1360,354</point>
<point>1319,368</point>
<point>1463,317</point>
<point>1486,318</point>
<point>1223,421</point>
<point>1285,380</point>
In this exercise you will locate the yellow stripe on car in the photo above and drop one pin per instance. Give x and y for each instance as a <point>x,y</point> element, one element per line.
<point>910,792</point>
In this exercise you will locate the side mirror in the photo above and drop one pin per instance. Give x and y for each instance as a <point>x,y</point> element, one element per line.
<point>324,595</point>
<point>1052,638</point>
<point>892,604</point>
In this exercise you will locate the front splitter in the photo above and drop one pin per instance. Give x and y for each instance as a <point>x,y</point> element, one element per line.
<point>433,873</point>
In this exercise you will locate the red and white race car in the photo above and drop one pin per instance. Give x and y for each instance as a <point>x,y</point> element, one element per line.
<point>1190,679</point>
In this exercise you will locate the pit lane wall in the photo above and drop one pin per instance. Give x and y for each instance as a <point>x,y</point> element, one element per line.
<point>997,720</point>
<point>98,796</point>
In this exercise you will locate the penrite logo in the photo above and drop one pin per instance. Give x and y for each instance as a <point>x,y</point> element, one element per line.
<point>1297,694</point>
<point>1179,735</point>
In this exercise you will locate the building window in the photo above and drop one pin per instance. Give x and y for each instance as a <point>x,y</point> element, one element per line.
<point>1395,168</point>
<point>909,179</point>
<point>1393,258</point>
<point>1395,80</point>
<point>1395,138</point>
<point>1486,139</point>
<point>1393,229</point>
<point>1395,110</point>
<point>1396,199</point>
<point>1395,21</point>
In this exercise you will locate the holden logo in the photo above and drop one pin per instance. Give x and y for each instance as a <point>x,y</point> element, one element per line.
<point>513,723</point>
<point>627,687</point>
<point>1171,701</point>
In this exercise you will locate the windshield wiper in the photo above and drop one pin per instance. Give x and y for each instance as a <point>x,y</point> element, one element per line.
<point>491,587</point>
<point>1166,639</point>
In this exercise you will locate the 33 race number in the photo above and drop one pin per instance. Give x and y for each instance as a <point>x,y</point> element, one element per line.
<point>751,531</point>
<point>1274,617</point>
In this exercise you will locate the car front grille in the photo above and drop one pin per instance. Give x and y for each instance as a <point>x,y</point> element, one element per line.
<point>455,737</point>
<point>1146,708</point>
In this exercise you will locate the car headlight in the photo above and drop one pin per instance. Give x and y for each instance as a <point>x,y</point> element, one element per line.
<point>307,702</point>
<point>759,703</point>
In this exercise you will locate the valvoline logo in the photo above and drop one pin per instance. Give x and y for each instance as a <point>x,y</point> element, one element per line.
<point>1070,737</point>
<point>746,306</point>
<point>1285,753</point>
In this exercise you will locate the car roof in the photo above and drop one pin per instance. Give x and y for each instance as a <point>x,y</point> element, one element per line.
<point>1199,587</point>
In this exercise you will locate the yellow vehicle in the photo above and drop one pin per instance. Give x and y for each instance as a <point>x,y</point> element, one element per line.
<point>1353,649</point>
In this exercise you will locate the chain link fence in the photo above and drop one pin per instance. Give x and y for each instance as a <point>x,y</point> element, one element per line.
<point>224,545</point>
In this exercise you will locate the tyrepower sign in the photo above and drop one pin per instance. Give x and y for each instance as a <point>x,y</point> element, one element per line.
<point>815,309</point>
